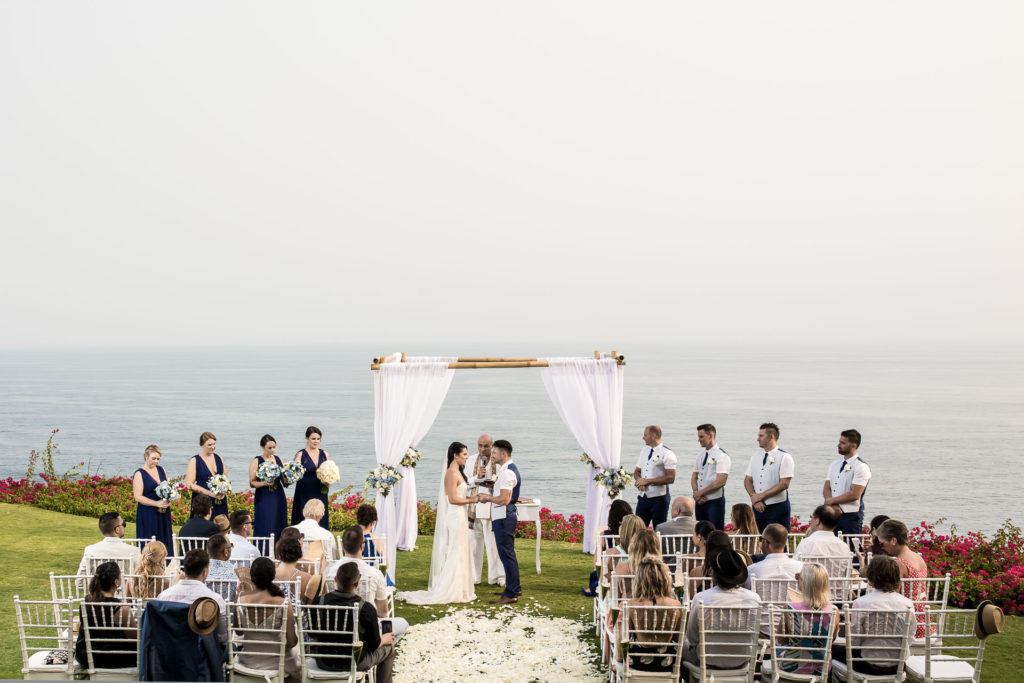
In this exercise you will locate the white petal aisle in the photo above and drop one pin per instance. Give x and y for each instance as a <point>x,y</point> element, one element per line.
<point>505,645</point>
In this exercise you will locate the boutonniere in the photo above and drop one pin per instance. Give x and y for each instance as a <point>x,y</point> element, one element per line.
<point>655,458</point>
<point>771,459</point>
<point>711,461</point>
<point>845,466</point>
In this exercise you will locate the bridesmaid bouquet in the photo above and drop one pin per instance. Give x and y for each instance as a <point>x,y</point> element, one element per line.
<point>269,472</point>
<point>383,479</point>
<point>292,472</point>
<point>411,458</point>
<point>219,485</point>
<point>614,479</point>
<point>165,491</point>
<point>327,473</point>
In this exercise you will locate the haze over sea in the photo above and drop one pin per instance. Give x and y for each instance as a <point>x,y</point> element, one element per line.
<point>940,425</point>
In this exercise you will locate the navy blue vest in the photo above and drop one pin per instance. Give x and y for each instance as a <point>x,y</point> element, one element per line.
<point>510,509</point>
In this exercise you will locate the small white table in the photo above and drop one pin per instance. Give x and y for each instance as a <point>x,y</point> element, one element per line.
<point>530,512</point>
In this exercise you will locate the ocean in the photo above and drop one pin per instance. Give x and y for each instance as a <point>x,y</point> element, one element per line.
<point>939,423</point>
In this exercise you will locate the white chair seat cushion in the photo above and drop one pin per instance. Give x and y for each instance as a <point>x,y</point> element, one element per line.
<point>36,663</point>
<point>250,671</point>
<point>719,674</point>
<point>314,671</point>
<point>944,668</point>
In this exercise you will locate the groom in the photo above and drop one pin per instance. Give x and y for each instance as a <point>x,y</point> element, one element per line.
<point>504,519</point>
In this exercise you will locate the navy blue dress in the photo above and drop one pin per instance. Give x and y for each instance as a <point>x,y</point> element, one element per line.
<point>203,475</point>
<point>271,515</point>
<point>308,488</point>
<point>150,521</point>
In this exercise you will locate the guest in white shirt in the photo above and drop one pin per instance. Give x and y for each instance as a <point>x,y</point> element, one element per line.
<point>710,473</point>
<point>196,567</point>
<point>655,470</point>
<point>313,511</point>
<point>776,564</point>
<point>373,587</point>
<point>883,575</point>
<point>821,540</point>
<point>767,479</point>
<point>112,528</point>
<point>241,530</point>
<point>729,573</point>
<point>846,483</point>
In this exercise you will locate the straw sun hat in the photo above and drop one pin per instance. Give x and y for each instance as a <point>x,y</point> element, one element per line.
<point>203,615</point>
<point>987,620</point>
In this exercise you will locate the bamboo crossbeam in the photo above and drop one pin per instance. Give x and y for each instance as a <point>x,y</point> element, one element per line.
<point>490,359</point>
<point>479,363</point>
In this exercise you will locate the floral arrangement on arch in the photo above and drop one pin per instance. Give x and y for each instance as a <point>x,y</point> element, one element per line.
<point>328,474</point>
<point>411,458</point>
<point>587,460</point>
<point>615,479</point>
<point>383,478</point>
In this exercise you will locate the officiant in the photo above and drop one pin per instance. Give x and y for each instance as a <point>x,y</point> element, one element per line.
<point>482,471</point>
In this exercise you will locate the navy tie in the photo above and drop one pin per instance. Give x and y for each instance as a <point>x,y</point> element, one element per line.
<point>763,461</point>
<point>650,454</point>
<point>705,459</point>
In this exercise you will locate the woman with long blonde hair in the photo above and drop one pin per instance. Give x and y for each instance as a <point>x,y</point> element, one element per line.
<point>152,575</point>
<point>810,622</point>
<point>652,587</point>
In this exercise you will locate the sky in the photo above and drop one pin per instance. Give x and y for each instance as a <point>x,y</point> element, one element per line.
<point>292,173</point>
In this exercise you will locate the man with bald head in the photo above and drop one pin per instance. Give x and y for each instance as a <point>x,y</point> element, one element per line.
<point>681,522</point>
<point>480,470</point>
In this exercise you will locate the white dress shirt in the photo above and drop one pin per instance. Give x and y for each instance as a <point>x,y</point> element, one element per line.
<point>312,531</point>
<point>376,584</point>
<point>242,549</point>
<point>718,462</point>
<point>188,591</point>
<point>774,566</point>
<point>880,600</point>
<point>110,546</point>
<point>505,480</point>
<point>716,597</point>
<point>767,472</point>
<point>483,510</point>
<point>653,467</point>
<point>822,544</point>
<point>843,474</point>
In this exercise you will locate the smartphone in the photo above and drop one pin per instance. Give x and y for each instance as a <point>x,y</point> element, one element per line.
<point>385,626</point>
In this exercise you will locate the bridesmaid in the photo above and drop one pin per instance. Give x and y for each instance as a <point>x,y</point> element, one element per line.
<point>152,517</point>
<point>271,506</point>
<point>308,488</point>
<point>201,467</point>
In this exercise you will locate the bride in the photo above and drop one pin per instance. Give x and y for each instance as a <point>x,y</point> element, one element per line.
<point>451,566</point>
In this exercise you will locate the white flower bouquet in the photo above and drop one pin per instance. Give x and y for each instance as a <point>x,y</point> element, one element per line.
<point>383,478</point>
<point>269,472</point>
<point>411,458</point>
<point>219,485</point>
<point>165,491</point>
<point>614,479</point>
<point>327,473</point>
<point>292,472</point>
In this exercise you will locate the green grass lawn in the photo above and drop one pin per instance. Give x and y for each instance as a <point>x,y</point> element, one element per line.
<point>35,542</point>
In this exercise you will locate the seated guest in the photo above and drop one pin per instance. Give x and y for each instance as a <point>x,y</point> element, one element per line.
<point>291,532</point>
<point>196,567</point>
<point>263,653</point>
<point>199,524</point>
<point>718,541</point>
<point>893,537</point>
<point>102,587</point>
<point>153,574</point>
<point>821,540</point>
<point>112,528</point>
<point>681,524</point>
<point>313,512</point>
<point>883,575</point>
<point>616,513</point>
<point>776,564</point>
<point>378,649</point>
<point>218,547</point>
<point>643,545</point>
<point>241,530</point>
<point>630,526</point>
<point>729,572</point>
<point>744,524</point>
<point>652,587</point>
<point>289,552</point>
<point>816,630</point>
<point>376,590</point>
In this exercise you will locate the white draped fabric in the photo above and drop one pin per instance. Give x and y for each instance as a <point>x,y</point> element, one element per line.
<point>407,397</point>
<point>587,393</point>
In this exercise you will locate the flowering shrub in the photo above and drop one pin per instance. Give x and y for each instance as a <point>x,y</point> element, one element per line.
<point>553,527</point>
<point>981,568</point>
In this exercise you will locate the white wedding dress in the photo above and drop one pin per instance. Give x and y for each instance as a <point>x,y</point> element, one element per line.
<point>451,565</point>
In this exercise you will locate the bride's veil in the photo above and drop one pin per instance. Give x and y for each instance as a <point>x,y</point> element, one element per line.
<point>437,557</point>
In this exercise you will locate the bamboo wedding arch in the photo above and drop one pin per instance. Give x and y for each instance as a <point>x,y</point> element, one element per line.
<point>480,362</point>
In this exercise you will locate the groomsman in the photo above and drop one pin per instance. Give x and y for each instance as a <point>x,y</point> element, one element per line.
<point>655,470</point>
<point>710,472</point>
<point>483,468</point>
<point>846,483</point>
<point>767,479</point>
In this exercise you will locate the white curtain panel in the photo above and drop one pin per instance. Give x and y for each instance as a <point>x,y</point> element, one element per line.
<point>407,397</point>
<point>587,394</point>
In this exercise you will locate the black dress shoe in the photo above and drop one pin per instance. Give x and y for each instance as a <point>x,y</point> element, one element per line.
<point>504,601</point>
